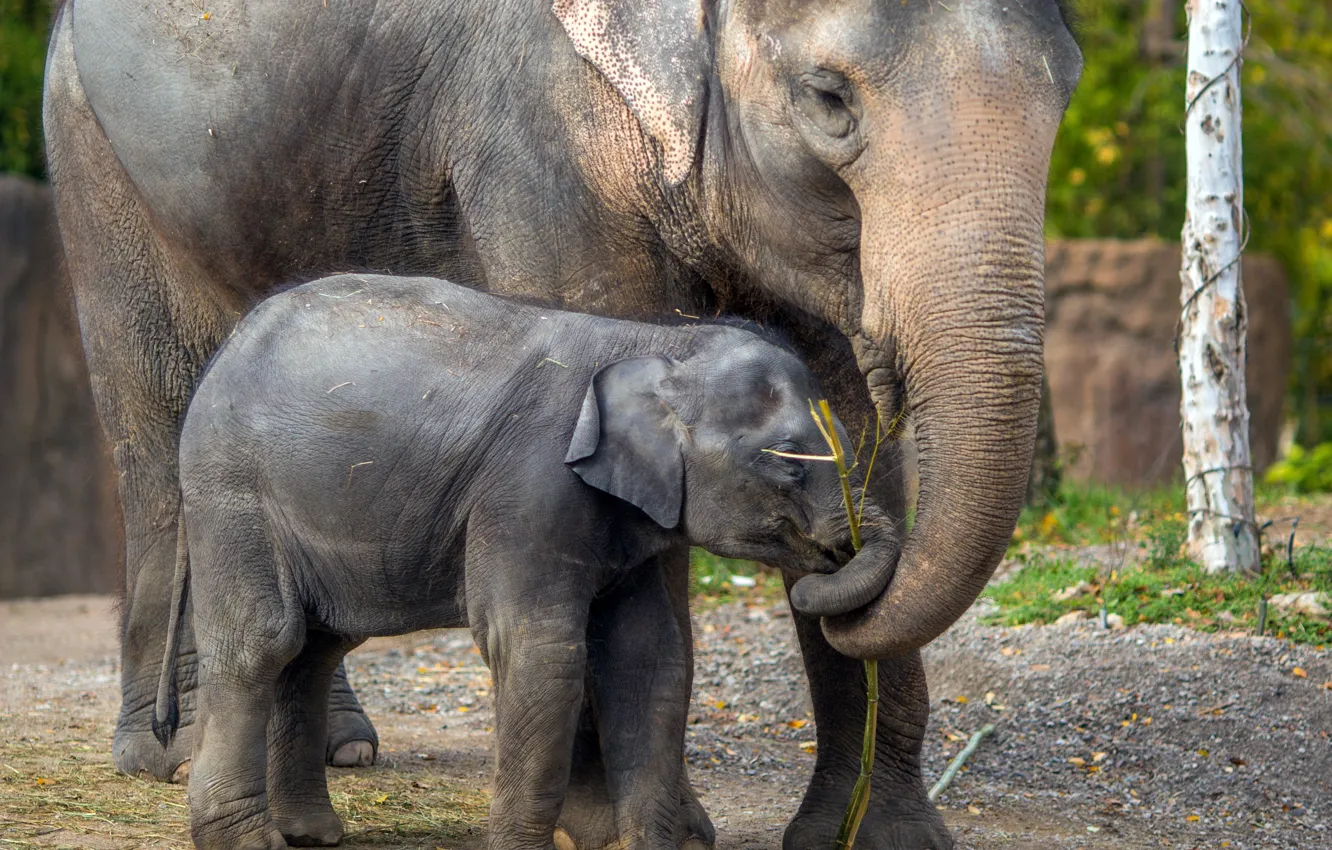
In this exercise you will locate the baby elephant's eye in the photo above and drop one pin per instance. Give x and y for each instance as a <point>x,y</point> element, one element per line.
<point>783,458</point>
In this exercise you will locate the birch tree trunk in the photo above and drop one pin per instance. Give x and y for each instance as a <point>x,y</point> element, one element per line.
<point>1217,470</point>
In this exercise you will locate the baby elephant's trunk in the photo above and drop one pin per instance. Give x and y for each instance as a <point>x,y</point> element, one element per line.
<point>854,586</point>
<point>166,714</point>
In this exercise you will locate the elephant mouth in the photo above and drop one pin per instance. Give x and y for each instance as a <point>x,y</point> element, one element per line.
<point>824,558</point>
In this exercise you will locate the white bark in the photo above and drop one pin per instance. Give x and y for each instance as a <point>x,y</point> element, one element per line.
<point>1222,533</point>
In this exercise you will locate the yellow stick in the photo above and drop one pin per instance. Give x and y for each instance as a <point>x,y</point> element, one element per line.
<point>855,810</point>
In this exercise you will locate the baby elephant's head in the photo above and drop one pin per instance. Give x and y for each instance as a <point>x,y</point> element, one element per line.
<point>723,445</point>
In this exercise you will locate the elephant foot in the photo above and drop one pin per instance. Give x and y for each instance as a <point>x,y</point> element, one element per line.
<point>265,839</point>
<point>696,831</point>
<point>587,822</point>
<point>898,819</point>
<point>319,829</point>
<point>137,752</point>
<point>352,740</point>
<point>564,842</point>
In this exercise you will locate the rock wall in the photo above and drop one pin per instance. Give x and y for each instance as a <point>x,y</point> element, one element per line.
<point>59,525</point>
<point>1111,312</point>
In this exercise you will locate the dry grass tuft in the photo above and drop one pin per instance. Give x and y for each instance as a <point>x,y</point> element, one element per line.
<point>66,793</point>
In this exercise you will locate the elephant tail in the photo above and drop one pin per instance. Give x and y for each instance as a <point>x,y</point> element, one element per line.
<point>166,713</point>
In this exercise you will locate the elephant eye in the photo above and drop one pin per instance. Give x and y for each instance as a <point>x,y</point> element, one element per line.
<point>823,98</point>
<point>777,459</point>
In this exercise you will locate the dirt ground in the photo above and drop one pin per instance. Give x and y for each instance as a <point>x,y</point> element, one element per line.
<point>1151,737</point>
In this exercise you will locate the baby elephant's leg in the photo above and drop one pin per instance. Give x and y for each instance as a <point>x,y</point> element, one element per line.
<point>297,784</point>
<point>536,646</point>
<point>246,636</point>
<point>639,674</point>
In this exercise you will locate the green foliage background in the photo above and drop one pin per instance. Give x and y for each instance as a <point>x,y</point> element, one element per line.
<point>1118,167</point>
<point>23,29</point>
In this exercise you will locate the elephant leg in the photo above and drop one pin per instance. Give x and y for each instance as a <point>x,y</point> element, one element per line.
<point>899,814</point>
<point>587,821</point>
<point>297,741</point>
<point>352,740</point>
<point>149,320</point>
<point>538,660</point>
<point>146,337</point>
<point>640,698</point>
<point>248,635</point>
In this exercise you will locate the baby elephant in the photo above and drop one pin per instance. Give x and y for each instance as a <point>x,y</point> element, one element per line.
<point>374,455</point>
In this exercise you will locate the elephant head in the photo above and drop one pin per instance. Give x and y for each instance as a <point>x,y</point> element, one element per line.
<point>722,445</point>
<point>880,164</point>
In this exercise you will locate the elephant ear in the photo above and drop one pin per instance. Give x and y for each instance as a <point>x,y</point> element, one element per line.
<point>629,438</point>
<point>656,56</point>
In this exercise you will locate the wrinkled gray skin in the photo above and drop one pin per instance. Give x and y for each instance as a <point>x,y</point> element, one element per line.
<point>868,175</point>
<point>373,456</point>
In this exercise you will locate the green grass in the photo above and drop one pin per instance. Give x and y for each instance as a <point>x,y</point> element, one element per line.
<point>1166,588</point>
<point>1083,514</point>
<point>712,580</point>
<point>1159,585</point>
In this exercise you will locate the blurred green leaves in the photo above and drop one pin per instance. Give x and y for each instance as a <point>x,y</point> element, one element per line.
<point>1304,470</point>
<point>1118,168</point>
<point>23,31</point>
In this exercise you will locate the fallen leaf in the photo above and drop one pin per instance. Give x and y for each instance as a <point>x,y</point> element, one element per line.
<point>1299,673</point>
<point>809,746</point>
<point>42,780</point>
<point>381,799</point>
<point>1096,757</point>
<point>1093,829</point>
<point>1077,762</point>
<point>719,704</point>
<point>973,810</point>
<point>989,697</point>
<point>1192,818</point>
<point>1203,753</point>
<point>797,724</point>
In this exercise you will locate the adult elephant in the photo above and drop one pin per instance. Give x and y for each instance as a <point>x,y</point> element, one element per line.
<point>867,174</point>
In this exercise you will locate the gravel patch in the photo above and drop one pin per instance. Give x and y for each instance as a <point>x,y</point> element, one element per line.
<point>1155,736</point>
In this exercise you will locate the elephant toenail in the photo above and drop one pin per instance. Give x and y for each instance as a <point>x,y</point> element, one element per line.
<point>181,775</point>
<point>354,754</point>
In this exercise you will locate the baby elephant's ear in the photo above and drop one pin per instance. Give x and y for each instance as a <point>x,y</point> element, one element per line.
<point>629,437</point>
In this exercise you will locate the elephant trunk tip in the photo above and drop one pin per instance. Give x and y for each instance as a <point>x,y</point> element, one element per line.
<point>854,586</point>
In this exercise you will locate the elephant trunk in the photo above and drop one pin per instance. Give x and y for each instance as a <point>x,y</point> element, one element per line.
<point>953,311</point>
<point>858,583</point>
